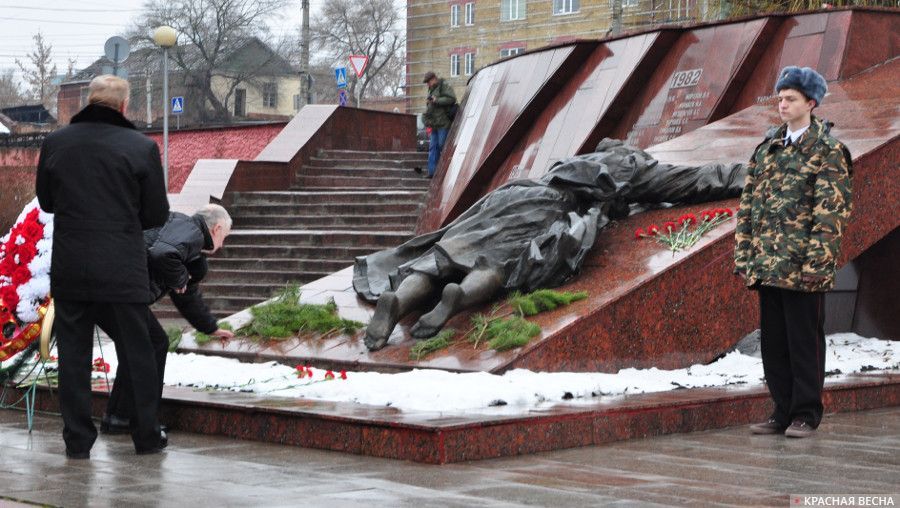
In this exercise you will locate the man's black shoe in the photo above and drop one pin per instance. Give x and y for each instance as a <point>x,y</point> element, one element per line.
<point>77,455</point>
<point>112,424</point>
<point>799,429</point>
<point>770,426</point>
<point>163,442</point>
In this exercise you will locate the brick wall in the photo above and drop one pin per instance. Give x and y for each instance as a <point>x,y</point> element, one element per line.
<point>17,165</point>
<point>186,147</point>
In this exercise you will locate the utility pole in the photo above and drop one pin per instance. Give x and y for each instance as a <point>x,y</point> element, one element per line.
<point>304,55</point>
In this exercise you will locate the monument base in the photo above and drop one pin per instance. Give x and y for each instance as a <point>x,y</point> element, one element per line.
<point>440,438</point>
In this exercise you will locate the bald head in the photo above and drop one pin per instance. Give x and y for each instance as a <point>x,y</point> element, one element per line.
<point>109,91</point>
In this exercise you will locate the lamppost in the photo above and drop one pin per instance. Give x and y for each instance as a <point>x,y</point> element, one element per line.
<point>165,37</point>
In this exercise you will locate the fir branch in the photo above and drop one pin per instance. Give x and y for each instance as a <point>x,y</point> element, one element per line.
<point>425,347</point>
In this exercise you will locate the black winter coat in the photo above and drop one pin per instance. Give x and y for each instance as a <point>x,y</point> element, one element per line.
<point>175,258</point>
<point>103,181</point>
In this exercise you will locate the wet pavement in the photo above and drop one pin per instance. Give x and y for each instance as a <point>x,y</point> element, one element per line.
<point>853,453</point>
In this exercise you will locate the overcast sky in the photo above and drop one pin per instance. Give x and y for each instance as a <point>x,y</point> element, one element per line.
<point>78,29</point>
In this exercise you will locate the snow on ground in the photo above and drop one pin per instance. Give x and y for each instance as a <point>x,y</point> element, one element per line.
<point>431,390</point>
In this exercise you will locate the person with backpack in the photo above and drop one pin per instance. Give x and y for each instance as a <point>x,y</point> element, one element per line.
<point>439,113</point>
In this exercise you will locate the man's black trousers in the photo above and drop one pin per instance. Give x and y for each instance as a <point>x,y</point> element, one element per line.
<point>126,324</point>
<point>793,352</point>
<point>121,402</point>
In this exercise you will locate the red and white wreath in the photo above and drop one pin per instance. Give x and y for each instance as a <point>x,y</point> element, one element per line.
<point>24,277</point>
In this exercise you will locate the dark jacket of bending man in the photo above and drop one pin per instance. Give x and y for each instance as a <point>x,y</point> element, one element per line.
<point>176,255</point>
<point>792,215</point>
<point>103,181</point>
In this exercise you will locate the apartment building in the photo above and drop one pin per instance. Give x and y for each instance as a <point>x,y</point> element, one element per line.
<point>454,38</point>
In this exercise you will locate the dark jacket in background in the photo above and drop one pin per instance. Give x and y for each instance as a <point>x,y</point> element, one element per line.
<point>103,181</point>
<point>437,114</point>
<point>176,260</point>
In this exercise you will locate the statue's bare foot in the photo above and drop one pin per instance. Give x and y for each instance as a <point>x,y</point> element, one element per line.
<point>387,313</point>
<point>431,323</point>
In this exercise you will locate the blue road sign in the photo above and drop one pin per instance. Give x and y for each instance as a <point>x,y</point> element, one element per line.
<point>177,105</point>
<point>340,75</point>
<point>342,97</point>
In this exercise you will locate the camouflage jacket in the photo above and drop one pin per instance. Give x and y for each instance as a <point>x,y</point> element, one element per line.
<point>793,210</point>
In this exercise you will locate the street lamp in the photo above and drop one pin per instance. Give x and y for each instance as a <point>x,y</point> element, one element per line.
<point>165,37</point>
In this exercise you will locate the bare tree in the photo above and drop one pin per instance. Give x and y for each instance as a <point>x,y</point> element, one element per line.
<point>39,72</point>
<point>210,31</point>
<point>372,28</point>
<point>10,93</point>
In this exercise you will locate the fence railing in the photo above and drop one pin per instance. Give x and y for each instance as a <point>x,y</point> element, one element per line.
<point>23,140</point>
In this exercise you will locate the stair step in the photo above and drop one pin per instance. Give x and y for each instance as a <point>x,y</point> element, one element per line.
<point>356,154</point>
<point>358,182</point>
<point>337,195</point>
<point>335,162</point>
<point>292,251</point>
<point>267,278</point>
<point>377,239</point>
<point>325,221</point>
<point>329,265</point>
<point>362,172</point>
<point>213,291</point>
<point>327,208</point>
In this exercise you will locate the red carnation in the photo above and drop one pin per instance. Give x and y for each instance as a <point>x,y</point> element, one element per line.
<point>343,374</point>
<point>100,365</point>
<point>687,218</point>
<point>10,297</point>
<point>21,275</point>
<point>707,215</point>
<point>300,371</point>
<point>32,216</point>
<point>728,212</point>
<point>669,226</point>
<point>639,233</point>
<point>329,375</point>
<point>32,231</point>
<point>653,229</point>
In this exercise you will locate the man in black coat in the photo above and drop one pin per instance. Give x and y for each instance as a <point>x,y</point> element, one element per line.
<point>103,181</point>
<point>176,255</point>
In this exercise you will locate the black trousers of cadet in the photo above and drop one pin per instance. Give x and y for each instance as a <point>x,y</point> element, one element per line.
<point>793,352</point>
<point>126,324</point>
<point>121,400</point>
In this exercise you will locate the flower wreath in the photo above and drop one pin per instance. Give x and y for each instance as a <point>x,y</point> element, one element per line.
<point>24,279</point>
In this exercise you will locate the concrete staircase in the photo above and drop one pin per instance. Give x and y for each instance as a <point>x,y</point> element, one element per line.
<point>342,205</point>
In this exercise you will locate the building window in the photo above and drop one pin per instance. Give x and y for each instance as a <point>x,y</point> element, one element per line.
<point>511,10</point>
<point>567,6</point>
<point>296,102</point>
<point>470,13</point>
<point>625,3</point>
<point>454,15</point>
<point>240,102</point>
<point>454,65</point>
<point>270,95</point>
<point>505,52</point>
<point>470,64</point>
<point>83,100</point>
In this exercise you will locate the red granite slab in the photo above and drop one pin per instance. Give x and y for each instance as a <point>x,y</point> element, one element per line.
<point>647,307</point>
<point>445,437</point>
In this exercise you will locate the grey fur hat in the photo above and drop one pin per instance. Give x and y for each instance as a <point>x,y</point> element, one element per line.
<point>806,81</point>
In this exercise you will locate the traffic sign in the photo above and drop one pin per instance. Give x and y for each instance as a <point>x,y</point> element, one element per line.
<point>342,97</point>
<point>359,63</point>
<point>177,105</point>
<point>116,49</point>
<point>340,75</point>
